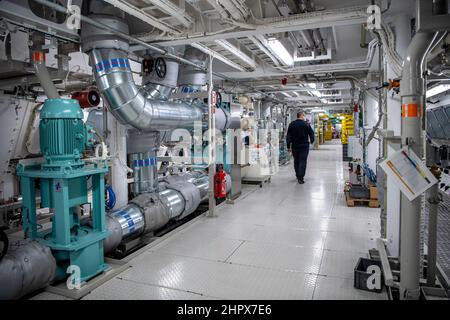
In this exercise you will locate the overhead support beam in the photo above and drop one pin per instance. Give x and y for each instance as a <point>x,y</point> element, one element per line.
<point>237,52</point>
<point>171,9</point>
<point>143,16</point>
<point>297,22</point>
<point>263,48</point>
<point>217,56</point>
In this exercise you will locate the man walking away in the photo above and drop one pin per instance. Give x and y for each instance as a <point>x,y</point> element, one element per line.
<point>297,142</point>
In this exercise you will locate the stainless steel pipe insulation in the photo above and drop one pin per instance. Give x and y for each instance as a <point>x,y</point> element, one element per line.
<point>178,197</point>
<point>28,266</point>
<point>412,93</point>
<point>133,106</point>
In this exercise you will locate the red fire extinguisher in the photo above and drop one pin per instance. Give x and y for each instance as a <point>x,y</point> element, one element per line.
<point>220,183</point>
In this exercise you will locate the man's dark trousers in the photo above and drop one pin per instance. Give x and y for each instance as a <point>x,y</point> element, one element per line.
<point>300,155</point>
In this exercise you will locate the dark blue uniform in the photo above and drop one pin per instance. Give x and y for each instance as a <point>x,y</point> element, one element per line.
<point>298,137</point>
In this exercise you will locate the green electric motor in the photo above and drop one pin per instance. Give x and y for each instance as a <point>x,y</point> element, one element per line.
<point>63,135</point>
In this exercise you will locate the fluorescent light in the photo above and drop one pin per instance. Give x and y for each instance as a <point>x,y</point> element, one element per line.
<point>286,94</point>
<point>316,93</point>
<point>324,100</point>
<point>280,51</point>
<point>236,52</point>
<point>438,89</point>
<point>217,55</point>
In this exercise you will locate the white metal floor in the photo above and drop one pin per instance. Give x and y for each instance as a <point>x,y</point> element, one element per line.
<point>284,241</point>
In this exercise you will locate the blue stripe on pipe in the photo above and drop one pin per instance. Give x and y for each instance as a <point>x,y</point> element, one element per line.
<point>112,63</point>
<point>148,162</point>
<point>130,222</point>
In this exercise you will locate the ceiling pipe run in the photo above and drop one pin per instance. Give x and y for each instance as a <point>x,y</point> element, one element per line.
<point>295,22</point>
<point>127,37</point>
<point>313,69</point>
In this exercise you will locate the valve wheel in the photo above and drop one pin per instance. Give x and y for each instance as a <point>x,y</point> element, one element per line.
<point>160,67</point>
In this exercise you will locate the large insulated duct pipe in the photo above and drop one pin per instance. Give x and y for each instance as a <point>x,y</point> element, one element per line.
<point>134,106</point>
<point>412,91</point>
<point>28,266</point>
<point>130,105</point>
<point>179,196</point>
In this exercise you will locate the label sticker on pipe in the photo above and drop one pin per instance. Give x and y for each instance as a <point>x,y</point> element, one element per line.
<point>409,173</point>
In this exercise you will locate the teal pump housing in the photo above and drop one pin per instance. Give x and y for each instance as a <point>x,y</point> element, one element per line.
<point>63,178</point>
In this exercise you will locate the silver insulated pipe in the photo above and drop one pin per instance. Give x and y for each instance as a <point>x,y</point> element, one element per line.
<point>129,104</point>
<point>178,197</point>
<point>28,266</point>
<point>133,106</point>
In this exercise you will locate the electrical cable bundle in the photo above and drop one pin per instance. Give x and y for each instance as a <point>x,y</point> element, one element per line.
<point>111,201</point>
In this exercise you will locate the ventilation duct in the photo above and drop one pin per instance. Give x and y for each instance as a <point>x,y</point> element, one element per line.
<point>133,106</point>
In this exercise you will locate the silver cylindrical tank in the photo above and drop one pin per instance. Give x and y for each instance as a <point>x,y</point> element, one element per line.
<point>189,75</point>
<point>95,38</point>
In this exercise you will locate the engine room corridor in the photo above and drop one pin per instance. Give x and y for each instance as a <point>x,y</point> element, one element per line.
<point>281,241</point>
<point>225,150</point>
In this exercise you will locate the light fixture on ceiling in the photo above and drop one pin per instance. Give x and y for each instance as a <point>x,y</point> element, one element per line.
<point>286,94</point>
<point>438,89</point>
<point>218,56</point>
<point>279,50</point>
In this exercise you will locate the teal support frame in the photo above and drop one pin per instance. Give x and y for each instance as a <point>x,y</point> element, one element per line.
<point>72,243</point>
<point>62,177</point>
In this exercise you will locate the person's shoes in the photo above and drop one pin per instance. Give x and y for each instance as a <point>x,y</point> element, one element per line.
<point>301,181</point>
